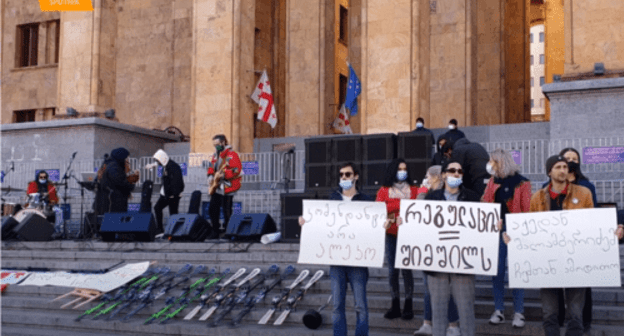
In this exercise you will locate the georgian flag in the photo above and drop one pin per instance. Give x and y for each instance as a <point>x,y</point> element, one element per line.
<point>262,96</point>
<point>341,122</point>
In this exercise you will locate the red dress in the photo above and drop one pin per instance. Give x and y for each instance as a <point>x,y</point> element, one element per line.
<point>393,205</point>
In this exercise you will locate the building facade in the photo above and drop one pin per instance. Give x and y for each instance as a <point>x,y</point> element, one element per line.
<point>538,66</point>
<point>193,64</point>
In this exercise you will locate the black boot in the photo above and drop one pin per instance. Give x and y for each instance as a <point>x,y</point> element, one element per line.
<point>395,310</point>
<point>408,313</point>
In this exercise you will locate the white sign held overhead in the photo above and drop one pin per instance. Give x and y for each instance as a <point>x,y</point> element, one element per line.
<point>450,237</point>
<point>563,249</point>
<point>343,233</point>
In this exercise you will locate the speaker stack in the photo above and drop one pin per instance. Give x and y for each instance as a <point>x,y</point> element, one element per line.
<point>32,227</point>
<point>415,149</point>
<point>378,151</point>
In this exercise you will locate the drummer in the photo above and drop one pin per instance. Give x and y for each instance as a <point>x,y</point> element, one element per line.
<point>43,185</point>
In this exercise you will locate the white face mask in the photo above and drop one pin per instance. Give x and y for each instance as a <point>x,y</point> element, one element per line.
<point>489,169</point>
<point>425,183</point>
<point>453,181</point>
<point>42,181</point>
<point>419,125</point>
<point>451,126</point>
<point>346,184</point>
<point>401,175</point>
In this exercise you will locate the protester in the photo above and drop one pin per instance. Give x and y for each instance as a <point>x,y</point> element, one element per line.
<point>454,134</point>
<point>173,185</point>
<point>513,192</point>
<point>473,158</point>
<point>397,186</point>
<point>438,158</point>
<point>420,129</point>
<point>442,285</point>
<point>340,275</point>
<point>559,195</point>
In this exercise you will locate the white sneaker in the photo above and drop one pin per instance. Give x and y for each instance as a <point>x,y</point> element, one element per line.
<point>453,331</point>
<point>497,317</point>
<point>518,321</point>
<point>425,329</point>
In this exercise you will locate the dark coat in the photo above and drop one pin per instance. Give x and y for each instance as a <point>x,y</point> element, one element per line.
<point>465,195</point>
<point>473,159</point>
<point>114,188</point>
<point>337,196</point>
<point>438,158</point>
<point>425,131</point>
<point>454,135</point>
<point>172,179</point>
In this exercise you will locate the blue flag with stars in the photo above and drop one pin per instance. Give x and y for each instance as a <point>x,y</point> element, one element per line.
<point>354,89</point>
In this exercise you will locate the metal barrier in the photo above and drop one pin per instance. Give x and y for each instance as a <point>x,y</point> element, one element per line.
<point>532,153</point>
<point>557,145</point>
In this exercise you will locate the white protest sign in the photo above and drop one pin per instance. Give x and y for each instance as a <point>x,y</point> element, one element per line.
<point>563,249</point>
<point>343,233</point>
<point>450,237</point>
<point>100,282</point>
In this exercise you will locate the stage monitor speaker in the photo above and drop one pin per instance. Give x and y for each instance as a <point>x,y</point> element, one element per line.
<point>8,224</point>
<point>249,226</point>
<point>187,227</point>
<point>417,170</point>
<point>379,147</point>
<point>318,177</point>
<point>347,148</point>
<point>318,150</point>
<point>291,231</point>
<point>34,228</point>
<point>373,174</point>
<point>128,227</point>
<point>411,146</point>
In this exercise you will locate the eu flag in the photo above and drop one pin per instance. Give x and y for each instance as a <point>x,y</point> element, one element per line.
<point>354,89</point>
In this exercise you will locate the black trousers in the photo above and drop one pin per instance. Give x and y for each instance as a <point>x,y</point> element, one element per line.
<point>162,203</point>
<point>587,309</point>
<point>217,202</point>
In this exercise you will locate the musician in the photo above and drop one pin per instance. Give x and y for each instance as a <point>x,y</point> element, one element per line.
<point>172,187</point>
<point>114,183</point>
<point>224,172</point>
<point>43,185</point>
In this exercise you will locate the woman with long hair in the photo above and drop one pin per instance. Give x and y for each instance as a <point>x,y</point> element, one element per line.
<point>397,185</point>
<point>513,192</point>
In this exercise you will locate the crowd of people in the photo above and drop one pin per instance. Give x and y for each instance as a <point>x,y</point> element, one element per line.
<point>463,171</point>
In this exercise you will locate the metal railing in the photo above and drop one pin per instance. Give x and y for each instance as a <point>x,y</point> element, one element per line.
<point>533,153</point>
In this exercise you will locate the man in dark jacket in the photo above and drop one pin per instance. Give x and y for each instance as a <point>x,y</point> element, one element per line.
<point>473,158</point>
<point>421,129</point>
<point>454,134</point>
<point>172,187</point>
<point>114,186</point>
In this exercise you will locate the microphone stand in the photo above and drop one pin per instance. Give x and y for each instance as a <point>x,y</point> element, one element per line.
<point>82,188</point>
<point>65,183</point>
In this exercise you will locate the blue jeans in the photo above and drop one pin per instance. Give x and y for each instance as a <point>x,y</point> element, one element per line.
<point>357,277</point>
<point>453,316</point>
<point>393,274</point>
<point>498,284</point>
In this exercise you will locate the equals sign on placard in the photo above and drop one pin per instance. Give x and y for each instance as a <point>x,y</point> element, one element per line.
<point>448,235</point>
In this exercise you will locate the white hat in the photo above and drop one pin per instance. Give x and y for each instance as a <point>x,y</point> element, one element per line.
<point>161,157</point>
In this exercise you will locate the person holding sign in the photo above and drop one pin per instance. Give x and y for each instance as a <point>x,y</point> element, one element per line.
<point>442,285</point>
<point>396,187</point>
<point>559,195</point>
<point>513,192</point>
<point>340,275</point>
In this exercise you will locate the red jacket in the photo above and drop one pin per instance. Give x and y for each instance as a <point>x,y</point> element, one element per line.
<point>521,200</point>
<point>34,188</point>
<point>233,168</point>
<point>393,205</point>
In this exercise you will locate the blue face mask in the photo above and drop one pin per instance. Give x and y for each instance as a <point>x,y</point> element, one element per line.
<point>401,175</point>
<point>453,181</point>
<point>43,181</point>
<point>346,184</point>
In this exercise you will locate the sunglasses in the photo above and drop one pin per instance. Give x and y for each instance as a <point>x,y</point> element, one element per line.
<point>455,170</point>
<point>347,174</point>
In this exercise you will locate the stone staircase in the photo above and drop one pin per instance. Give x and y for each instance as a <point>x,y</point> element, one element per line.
<point>27,310</point>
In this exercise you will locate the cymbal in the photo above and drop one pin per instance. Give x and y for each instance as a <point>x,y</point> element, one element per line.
<point>12,189</point>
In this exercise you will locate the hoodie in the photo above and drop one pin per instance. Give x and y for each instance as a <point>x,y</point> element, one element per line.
<point>473,159</point>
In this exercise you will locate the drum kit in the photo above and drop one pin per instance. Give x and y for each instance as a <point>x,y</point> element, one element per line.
<point>38,203</point>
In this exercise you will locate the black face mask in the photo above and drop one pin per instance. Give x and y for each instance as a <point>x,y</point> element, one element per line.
<point>573,167</point>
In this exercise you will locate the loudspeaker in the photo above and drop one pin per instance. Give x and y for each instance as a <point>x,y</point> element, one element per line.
<point>34,228</point>
<point>411,146</point>
<point>373,174</point>
<point>291,231</point>
<point>187,227</point>
<point>318,176</point>
<point>8,224</point>
<point>347,148</point>
<point>249,226</point>
<point>292,204</point>
<point>417,170</point>
<point>318,150</point>
<point>379,147</point>
<point>195,202</point>
<point>128,227</point>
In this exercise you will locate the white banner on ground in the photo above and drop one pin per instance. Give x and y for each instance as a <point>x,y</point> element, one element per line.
<point>100,282</point>
<point>450,237</point>
<point>343,233</point>
<point>563,249</point>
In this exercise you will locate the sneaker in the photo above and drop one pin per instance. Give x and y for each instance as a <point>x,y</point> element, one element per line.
<point>518,321</point>
<point>425,329</point>
<point>453,331</point>
<point>497,317</point>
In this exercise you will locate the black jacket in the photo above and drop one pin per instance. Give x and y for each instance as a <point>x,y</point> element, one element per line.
<point>172,179</point>
<point>425,131</point>
<point>454,135</point>
<point>438,158</point>
<point>465,195</point>
<point>337,196</point>
<point>114,188</point>
<point>473,159</point>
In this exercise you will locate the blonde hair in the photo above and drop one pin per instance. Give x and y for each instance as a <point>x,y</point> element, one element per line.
<point>506,164</point>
